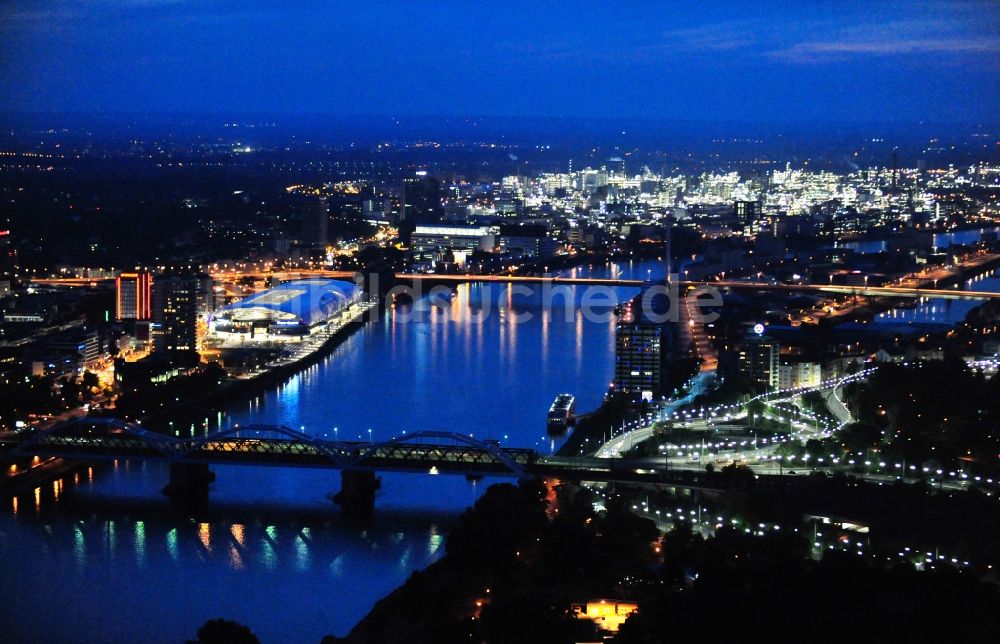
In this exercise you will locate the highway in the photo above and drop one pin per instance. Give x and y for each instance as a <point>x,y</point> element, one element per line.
<point>624,442</point>
<point>619,445</point>
<point>836,406</point>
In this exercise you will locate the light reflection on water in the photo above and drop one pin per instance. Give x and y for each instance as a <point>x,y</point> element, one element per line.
<point>939,240</point>
<point>937,310</point>
<point>93,556</point>
<point>272,551</point>
<point>107,544</point>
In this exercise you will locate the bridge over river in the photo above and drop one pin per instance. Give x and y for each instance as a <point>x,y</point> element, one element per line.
<point>189,459</point>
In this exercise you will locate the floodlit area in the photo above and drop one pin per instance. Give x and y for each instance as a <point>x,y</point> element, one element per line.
<point>292,312</point>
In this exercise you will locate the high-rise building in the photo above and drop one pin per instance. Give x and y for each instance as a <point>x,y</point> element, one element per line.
<point>133,299</point>
<point>6,251</point>
<point>422,200</point>
<point>83,341</point>
<point>642,346</point>
<point>175,311</point>
<point>315,223</point>
<point>758,361</point>
<point>748,213</point>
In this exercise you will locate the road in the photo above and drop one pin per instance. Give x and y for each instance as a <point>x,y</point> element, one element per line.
<point>620,444</point>
<point>624,442</point>
<point>836,406</point>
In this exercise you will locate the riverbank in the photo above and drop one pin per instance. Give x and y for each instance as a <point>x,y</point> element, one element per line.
<point>593,428</point>
<point>29,477</point>
<point>870,307</point>
<point>234,391</point>
<point>558,263</point>
<point>526,562</point>
<point>514,569</point>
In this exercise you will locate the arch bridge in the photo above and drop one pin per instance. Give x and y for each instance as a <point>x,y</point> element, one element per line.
<point>428,452</point>
<point>93,439</point>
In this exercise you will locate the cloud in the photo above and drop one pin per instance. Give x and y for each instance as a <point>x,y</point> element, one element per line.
<point>725,36</point>
<point>960,31</point>
<point>890,45</point>
<point>957,32</point>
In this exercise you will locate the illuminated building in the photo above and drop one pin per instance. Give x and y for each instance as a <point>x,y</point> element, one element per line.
<point>84,342</point>
<point>175,312</point>
<point>749,214</point>
<point>527,241</point>
<point>608,614</point>
<point>796,374</point>
<point>747,211</point>
<point>134,296</point>
<point>286,312</point>
<point>642,345</point>
<point>425,241</point>
<point>758,361</point>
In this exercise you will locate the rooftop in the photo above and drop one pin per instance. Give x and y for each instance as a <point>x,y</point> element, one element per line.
<point>296,302</point>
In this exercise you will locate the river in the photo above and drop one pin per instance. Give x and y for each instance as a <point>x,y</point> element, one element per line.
<point>940,240</point>
<point>937,313</point>
<point>104,557</point>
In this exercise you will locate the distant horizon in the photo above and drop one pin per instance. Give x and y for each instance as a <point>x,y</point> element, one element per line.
<point>499,117</point>
<point>539,142</point>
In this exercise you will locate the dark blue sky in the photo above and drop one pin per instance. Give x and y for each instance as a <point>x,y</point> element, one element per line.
<point>936,60</point>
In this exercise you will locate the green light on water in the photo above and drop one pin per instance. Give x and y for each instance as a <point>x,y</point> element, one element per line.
<point>79,547</point>
<point>172,543</point>
<point>140,544</point>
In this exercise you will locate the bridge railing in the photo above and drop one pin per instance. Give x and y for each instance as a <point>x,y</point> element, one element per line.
<point>112,438</point>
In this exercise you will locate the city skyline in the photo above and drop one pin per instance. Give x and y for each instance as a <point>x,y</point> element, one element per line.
<point>498,322</point>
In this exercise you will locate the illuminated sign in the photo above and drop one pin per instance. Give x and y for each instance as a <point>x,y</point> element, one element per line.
<point>758,328</point>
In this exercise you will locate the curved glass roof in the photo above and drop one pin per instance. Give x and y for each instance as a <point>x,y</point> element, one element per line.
<point>297,302</point>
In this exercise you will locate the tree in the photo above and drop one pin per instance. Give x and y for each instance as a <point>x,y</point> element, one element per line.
<point>90,380</point>
<point>858,437</point>
<point>224,631</point>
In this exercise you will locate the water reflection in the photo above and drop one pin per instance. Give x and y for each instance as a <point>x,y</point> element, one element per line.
<point>161,575</point>
<point>937,310</point>
<point>939,240</point>
<point>106,542</point>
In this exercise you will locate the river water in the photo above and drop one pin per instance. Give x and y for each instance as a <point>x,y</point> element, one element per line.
<point>932,314</point>
<point>940,240</point>
<point>104,557</point>
<point>937,313</point>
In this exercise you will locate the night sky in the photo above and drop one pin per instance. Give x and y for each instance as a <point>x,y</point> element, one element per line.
<point>936,61</point>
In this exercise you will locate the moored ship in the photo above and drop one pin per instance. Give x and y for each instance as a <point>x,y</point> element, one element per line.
<point>561,413</point>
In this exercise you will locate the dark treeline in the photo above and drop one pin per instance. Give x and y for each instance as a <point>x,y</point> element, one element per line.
<point>938,411</point>
<point>515,565</point>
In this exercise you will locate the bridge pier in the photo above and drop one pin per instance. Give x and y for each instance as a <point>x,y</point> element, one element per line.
<point>189,480</point>
<point>357,493</point>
